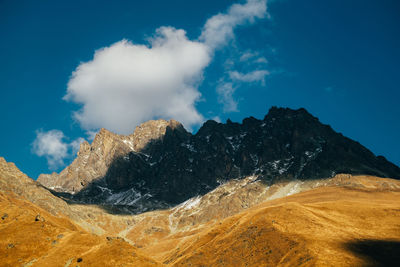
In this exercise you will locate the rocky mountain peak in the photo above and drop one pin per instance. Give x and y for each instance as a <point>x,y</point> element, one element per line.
<point>161,164</point>
<point>153,130</point>
<point>93,160</point>
<point>103,137</point>
<point>9,167</point>
<point>84,148</point>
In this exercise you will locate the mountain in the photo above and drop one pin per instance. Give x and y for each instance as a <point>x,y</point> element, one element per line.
<point>161,164</point>
<point>94,160</point>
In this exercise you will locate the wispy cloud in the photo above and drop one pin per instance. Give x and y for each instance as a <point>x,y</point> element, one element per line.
<point>253,57</point>
<point>246,56</point>
<point>54,148</point>
<point>261,60</point>
<point>253,76</point>
<point>219,29</point>
<point>225,92</point>
<point>228,85</point>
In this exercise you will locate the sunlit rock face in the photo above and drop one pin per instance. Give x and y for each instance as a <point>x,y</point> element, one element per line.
<point>93,160</point>
<point>161,164</point>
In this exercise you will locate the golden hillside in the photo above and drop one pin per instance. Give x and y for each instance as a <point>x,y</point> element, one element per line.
<point>343,221</point>
<point>30,236</point>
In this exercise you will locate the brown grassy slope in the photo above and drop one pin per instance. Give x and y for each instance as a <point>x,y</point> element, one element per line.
<point>164,235</point>
<point>318,227</point>
<point>29,240</point>
<point>333,222</point>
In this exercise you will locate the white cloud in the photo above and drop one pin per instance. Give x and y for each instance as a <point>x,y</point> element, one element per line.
<point>225,91</point>
<point>228,85</point>
<point>51,145</point>
<point>253,57</point>
<point>216,118</point>
<point>218,30</point>
<point>253,76</point>
<point>246,56</point>
<point>261,60</point>
<point>126,83</point>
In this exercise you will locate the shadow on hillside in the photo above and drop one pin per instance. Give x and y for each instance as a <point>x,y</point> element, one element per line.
<point>70,199</point>
<point>179,166</point>
<point>162,197</point>
<point>376,252</point>
<point>168,184</point>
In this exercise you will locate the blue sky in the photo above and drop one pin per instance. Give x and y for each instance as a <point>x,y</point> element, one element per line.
<point>338,59</point>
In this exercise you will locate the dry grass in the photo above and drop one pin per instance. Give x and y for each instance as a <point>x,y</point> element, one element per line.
<point>347,221</point>
<point>45,240</point>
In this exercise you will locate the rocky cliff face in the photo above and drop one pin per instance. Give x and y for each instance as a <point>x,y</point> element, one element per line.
<point>93,160</point>
<point>161,164</point>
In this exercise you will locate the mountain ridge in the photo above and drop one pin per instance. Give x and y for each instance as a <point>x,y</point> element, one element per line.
<point>161,164</point>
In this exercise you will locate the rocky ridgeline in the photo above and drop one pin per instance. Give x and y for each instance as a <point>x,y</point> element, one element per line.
<point>161,164</point>
<point>93,161</point>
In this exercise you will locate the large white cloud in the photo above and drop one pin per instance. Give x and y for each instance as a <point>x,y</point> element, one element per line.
<point>52,145</point>
<point>126,83</point>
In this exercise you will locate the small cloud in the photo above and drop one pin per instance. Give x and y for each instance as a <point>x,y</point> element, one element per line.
<point>218,30</point>
<point>229,64</point>
<point>225,93</point>
<point>253,57</point>
<point>246,56</point>
<point>227,87</point>
<point>52,146</point>
<point>253,76</point>
<point>261,60</point>
<point>216,118</point>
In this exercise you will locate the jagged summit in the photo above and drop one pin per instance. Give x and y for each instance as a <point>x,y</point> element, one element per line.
<point>93,160</point>
<point>153,130</point>
<point>161,164</point>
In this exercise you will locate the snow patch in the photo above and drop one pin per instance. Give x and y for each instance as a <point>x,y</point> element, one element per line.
<point>128,197</point>
<point>190,147</point>
<point>129,143</point>
<point>188,204</point>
